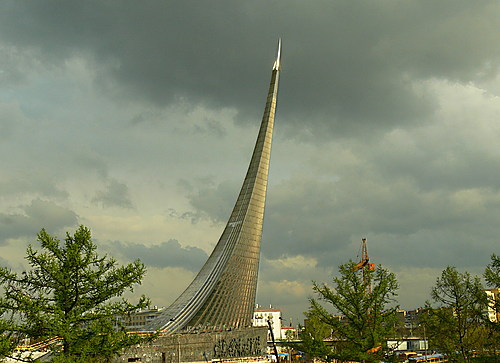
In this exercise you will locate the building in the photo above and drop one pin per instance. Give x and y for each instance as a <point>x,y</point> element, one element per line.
<point>493,302</point>
<point>410,322</point>
<point>261,317</point>
<point>431,358</point>
<point>222,295</point>
<point>409,344</point>
<point>136,321</point>
<point>289,333</point>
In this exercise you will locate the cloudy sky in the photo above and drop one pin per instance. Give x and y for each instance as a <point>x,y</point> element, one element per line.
<point>138,119</point>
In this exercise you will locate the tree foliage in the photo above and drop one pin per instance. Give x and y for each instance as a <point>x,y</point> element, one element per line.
<point>492,273</point>
<point>455,323</point>
<point>367,305</point>
<point>492,277</point>
<point>74,294</point>
<point>7,341</point>
<point>312,338</point>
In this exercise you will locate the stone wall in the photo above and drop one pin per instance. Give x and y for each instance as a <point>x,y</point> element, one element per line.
<point>247,344</point>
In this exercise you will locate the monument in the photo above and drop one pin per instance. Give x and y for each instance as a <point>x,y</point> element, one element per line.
<point>222,295</point>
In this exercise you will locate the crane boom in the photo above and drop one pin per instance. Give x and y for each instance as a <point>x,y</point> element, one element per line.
<point>365,260</point>
<point>364,264</point>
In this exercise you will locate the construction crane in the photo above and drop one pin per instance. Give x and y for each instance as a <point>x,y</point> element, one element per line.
<point>364,265</point>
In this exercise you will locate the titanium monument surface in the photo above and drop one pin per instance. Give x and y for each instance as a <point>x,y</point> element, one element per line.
<point>222,295</point>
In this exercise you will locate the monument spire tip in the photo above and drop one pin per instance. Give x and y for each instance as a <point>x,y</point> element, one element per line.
<point>277,64</point>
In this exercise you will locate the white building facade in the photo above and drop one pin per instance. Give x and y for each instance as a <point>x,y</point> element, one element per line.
<point>261,318</point>
<point>493,296</point>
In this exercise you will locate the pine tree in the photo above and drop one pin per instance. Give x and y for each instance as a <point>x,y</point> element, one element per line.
<point>7,340</point>
<point>492,277</point>
<point>455,323</point>
<point>72,293</point>
<point>492,273</point>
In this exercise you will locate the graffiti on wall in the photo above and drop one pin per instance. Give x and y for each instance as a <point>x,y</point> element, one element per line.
<point>237,347</point>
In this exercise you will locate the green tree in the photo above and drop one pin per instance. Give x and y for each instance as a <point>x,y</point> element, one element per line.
<point>7,341</point>
<point>492,277</point>
<point>455,324</point>
<point>313,338</point>
<point>72,293</point>
<point>367,304</point>
<point>492,273</point>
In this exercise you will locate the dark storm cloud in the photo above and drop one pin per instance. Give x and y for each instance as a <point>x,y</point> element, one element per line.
<point>347,66</point>
<point>115,195</point>
<point>166,254</point>
<point>39,214</point>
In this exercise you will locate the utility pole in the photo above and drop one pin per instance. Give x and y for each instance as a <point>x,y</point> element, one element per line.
<point>269,324</point>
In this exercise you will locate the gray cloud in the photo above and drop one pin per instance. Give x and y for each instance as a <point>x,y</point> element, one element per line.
<point>25,183</point>
<point>15,65</point>
<point>295,269</point>
<point>215,202</point>
<point>4,263</point>
<point>165,254</point>
<point>39,214</point>
<point>402,212</point>
<point>115,195</point>
<point>342,79</point>
<point>387,127</point>
<point>307,217</point>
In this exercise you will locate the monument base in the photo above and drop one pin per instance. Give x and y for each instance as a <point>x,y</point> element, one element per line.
<point>239,345</point>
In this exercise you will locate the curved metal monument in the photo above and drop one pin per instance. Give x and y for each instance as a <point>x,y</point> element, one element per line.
<point>222,295</point>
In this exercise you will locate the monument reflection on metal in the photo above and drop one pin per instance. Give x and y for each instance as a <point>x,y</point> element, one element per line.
<point>222,295</point>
